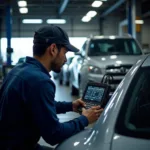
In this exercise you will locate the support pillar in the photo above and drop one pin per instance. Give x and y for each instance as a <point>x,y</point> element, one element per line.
<point>8,32</point>
<point>0,33</point>
<point>139,17</point>
<point>131,13</point>
<point>1,59</point>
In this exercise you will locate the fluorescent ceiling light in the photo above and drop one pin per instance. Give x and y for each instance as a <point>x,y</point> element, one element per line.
<point>139,21</point>
<point>86,19</point>
<point>32,21</point>
<point>101,37</point>
<point>56,21</point>
<point>23,10</point>
<point>113,56</point>
<point>22,3</point>
<point>103,58</point>
<point>91,13</point>
<point>112,37</point>
<point>119,62</point>
<point>97,3</point>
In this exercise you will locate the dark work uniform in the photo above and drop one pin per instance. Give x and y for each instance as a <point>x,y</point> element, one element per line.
<point>28,109</point>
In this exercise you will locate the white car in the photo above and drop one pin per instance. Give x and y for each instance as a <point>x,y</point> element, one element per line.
<point>64,75</point>
<point>125,121</point>
<point>100,55</point>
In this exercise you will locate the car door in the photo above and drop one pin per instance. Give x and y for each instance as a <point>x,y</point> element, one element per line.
<point>133,125</point>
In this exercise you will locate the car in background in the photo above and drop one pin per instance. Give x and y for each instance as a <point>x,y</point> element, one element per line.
<point>55,75</point>
<point>100,56</point>
<point>6,68</point>
<point>64,75</point>
<point>74,70</point>
<point>125,121</point>
<point>21,60</point>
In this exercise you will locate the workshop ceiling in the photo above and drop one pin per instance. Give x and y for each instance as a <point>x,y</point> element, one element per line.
<point>69,9</point>
<point>62,8</point>
<point>57,8</point>
<point>65,8</point>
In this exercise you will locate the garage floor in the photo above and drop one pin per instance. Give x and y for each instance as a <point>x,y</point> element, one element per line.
<point>62,91</point>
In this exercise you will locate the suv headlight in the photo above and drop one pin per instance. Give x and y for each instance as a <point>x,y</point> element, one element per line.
<point>94,70</point>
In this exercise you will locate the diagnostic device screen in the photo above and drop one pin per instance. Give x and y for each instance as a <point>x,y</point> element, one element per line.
<point>94,93</point>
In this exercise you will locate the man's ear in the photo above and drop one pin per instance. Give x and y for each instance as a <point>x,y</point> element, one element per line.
<point>52,49</point>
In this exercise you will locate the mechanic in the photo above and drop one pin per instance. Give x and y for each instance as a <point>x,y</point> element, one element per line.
<point>28,109</point>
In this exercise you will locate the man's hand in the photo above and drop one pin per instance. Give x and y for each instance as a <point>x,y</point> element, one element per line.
<point>77,103</point>
<point>92,113</point>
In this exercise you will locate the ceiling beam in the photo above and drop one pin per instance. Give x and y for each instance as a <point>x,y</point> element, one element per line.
<point>112,8</point>
<point>63,6</point>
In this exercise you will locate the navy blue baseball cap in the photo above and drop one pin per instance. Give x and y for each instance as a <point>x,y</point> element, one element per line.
<point>53,34</point>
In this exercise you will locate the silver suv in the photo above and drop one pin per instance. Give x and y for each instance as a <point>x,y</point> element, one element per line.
<point>100,55</point>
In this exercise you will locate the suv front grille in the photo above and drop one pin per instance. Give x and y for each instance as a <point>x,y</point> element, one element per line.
<point>117,70</point>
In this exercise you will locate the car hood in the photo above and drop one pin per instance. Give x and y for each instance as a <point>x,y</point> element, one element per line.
<point>75,141</point>
<point>113,60</point>
<point>84,140</point>
<point>129,143</point>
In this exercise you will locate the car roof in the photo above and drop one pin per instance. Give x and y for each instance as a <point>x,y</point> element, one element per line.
<point>111,37</point>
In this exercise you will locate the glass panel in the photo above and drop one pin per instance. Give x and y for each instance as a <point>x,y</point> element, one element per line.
<point>134,116</point>
<point>139,112</point>
<point>113,46</point>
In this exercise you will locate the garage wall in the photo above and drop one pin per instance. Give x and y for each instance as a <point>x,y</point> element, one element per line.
<point>74,27</point>
<point>111,25</point>
<point>146,32</point>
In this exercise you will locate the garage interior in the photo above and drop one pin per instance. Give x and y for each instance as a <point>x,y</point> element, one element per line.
<point>108,17</point>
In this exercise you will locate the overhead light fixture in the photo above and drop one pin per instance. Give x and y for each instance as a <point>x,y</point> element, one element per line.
<point>118,62</point>
<point>113,56</point>
<point>97,3</point>
<point>86,19</point>
<point>91,13</point>
<point>56,21</point>
<point>32,21</point>
<point>100,37</point>
<point>23,10</point>
<point>22,3</point>
<point>139,21</point>
<point>112,37</point>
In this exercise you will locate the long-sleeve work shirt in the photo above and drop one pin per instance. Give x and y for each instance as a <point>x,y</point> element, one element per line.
<point>28,109</point>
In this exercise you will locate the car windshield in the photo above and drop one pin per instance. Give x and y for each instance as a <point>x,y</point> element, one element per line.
<point>113,47</point>
<point>134,119</point>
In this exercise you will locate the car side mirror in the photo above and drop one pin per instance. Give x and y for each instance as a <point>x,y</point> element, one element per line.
<point>80,54</point>
<point>77,53</point>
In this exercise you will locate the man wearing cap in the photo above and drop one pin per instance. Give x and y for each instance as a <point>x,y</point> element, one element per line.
<point>27,106</point>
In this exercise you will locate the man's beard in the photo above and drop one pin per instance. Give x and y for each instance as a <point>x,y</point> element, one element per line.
<point>56,68</point>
